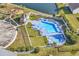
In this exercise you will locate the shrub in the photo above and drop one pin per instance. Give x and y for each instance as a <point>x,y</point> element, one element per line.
<point>11,49</point>
<point>36,50</point>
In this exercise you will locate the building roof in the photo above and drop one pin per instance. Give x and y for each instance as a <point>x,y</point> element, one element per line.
<point>73,5</point>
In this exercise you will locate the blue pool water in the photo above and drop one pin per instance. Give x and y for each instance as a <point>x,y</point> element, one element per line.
<point>51,26</point>
<point>58,38</point>
<point>51,30</point>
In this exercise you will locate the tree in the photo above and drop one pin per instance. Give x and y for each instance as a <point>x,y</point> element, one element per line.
<point>36,50</point>
<point>26,49</point>
<point>12,49</point>
<point>20,49</point>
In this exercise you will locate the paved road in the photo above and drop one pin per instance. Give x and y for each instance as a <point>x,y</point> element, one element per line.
<point>4,52</point>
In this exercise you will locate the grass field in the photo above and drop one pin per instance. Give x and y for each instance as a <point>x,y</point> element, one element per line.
<point>60,5</point>
<point>32,33</point>
<point>62,51</point>
<point>35,17</point>
<point>36,39</point>
<point>21,40</point>
<point>70,18</point>
<point>74,23</point>
<point>60,8</point>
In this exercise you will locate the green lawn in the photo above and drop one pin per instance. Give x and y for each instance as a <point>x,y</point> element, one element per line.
<point>74,23</point>
<point>73,38</point>
<point>63,51</point>
<point>35,17</point>
<point>21,40</point>
<point>32,33</point>
<point>36,39</point>
<point>60,5</point>
<point>62,10</point>
<point>70,18</point>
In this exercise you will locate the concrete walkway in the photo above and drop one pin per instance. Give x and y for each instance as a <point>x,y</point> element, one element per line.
<point>66,25</point>
<point>28,20</point>
<point>28,35</point>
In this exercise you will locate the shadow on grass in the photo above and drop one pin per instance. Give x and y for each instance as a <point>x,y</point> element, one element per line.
<point>17,20</point>
<point>69,40</point>
<point>65,9</point>
<point>73,52</point>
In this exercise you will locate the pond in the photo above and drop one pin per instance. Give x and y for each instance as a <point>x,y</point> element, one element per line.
<point>49,8</point>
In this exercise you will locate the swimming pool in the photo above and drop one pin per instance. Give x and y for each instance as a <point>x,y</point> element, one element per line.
<point>51,30</point>
<point>48,26</point>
